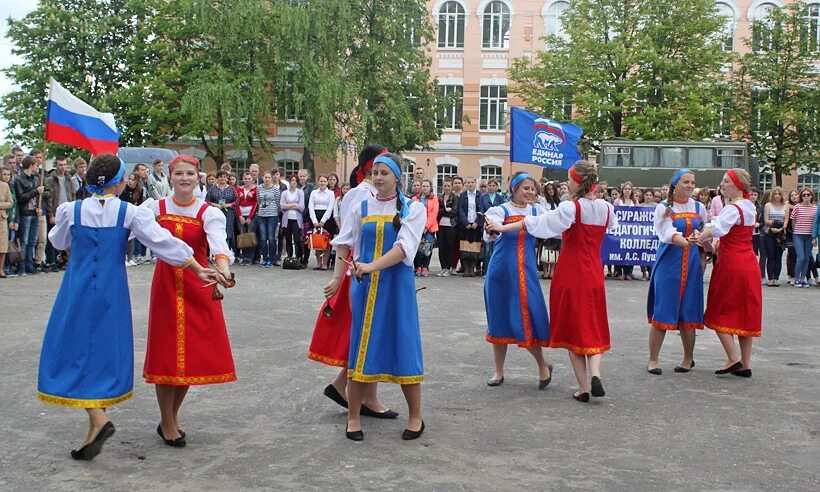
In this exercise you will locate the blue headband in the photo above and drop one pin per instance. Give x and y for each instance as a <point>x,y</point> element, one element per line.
<point>383,159</point>
<point>678,175</point>
<point>98,189</point>
<point>518,179</point>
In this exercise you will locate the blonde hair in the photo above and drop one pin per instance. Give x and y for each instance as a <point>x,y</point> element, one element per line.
<point>745,179</point>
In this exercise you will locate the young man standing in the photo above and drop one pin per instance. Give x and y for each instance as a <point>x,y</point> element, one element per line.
<point>78,180</point>
<point>158,186</point>
<point>27,188</point>
<point>59,190</point>
<point>42,239</point>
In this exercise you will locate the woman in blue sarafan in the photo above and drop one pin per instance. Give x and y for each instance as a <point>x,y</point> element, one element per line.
<point>87,359</point>
<point>516,310</point>
<point>675,300</point>
<point>384,232</point>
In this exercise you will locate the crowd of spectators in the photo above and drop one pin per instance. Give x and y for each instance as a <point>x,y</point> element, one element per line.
<point>271,217</point>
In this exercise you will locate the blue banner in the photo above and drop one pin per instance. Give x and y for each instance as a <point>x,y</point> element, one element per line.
<point>634,241</point>
<point>542,141</point>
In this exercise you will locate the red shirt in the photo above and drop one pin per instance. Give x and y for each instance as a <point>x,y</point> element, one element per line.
<point>247,202</point>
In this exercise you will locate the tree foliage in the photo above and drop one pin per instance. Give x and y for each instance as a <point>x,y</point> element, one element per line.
<point>778,92</point>
<point>641,69</point>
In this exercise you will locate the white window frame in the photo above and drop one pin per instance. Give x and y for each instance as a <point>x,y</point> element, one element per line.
<point>552,18</point>
<point>496,19</point>
<point>757,11</point>
<point>455,23</point>
<point>729,11</point>
<point>288,166</point>
<point>495,107</point>
<point>453,115</point>
<point>491,171</point>
<point>813,27</point>
<point>446,167</point>
<point>810,180</point>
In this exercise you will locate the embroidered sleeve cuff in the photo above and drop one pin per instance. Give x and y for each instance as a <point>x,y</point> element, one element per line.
<point>187,263</point>
<point>222,257</point>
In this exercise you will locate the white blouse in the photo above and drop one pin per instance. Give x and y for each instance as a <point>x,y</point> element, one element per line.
<point>496,214</point>
<point>140,221</point>
<point>321,200</point>
<point>213,221</point>
<point>356,196</point>
<point>663,221</point>
<point>409,237</point>
<point>555,222</point>
<point>729,217</point>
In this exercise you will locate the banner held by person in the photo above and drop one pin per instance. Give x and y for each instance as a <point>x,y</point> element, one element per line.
<point>634,241</point>
<point>70,121</point>
<point>542,141</point>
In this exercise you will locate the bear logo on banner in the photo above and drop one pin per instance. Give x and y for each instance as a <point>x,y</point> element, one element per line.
<point>542,141</point>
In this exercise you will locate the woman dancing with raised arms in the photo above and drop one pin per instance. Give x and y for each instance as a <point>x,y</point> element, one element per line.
<point>734,305</point>
<point>385,343</point>
<point>675,300</point>
<point>87,360</point>
<point>187,338</point>
<point>577,296</point>
<point>522,320</point>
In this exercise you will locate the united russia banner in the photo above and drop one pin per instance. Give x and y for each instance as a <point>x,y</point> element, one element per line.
<point>70,121</point>
<point>543,141</point>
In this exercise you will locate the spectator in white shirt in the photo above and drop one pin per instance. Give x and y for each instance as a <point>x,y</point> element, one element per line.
<point>320,209</point>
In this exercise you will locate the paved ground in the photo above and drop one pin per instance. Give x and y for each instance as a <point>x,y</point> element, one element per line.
<point>273,429</point>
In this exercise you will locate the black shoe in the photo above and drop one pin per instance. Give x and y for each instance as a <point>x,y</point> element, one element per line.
<point>543,383</point>
<point>582,397</point>
<point>597,387</point>
<point>179,442</point>
<point>92,449</point>
<point>734,367</point>
<point>332,393</point>
<point>355,435</point>
<point>159,431</point>
<point>409,435</point>
<point>683,369</point>
<point>656,371</point>
<point>369,412</point>
<point>495,382</point>
<point>744,373</point>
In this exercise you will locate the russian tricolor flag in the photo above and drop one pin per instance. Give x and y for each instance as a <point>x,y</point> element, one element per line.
<point>70,121</point>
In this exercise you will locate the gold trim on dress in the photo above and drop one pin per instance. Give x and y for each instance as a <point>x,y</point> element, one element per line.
<point>383,378</point>
<point>733,331</point>
<point>79,403</point>
<point>580,350</point>
<point>381,219</point>
<point>179,281</point>
<point>180,219</point>
<point>327,360</point>
<point>513,340</point>
<point>370,306</point>
<point>190,380</point>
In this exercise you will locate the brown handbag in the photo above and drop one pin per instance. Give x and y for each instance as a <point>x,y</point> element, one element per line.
<point>14,254</point>
<point>246,240</point>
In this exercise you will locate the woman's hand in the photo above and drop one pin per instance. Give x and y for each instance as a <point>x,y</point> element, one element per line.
<point>320,224</point>
<point>330,289</point>
<point>363,269</point>
<point>225,278</point>
<point>207,275</point>
<point>492,227</point>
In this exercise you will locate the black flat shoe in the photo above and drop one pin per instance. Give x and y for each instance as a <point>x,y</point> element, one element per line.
<point>409,435</point>
<point>92,449</point>
<point>582,397</point>
<point>159,431</point>
<point>734,367</point>
<point>387,414</point>
<point>683,369</point>
<point>744,373</point>
<point>179,442</point>
<point>656,371</point>
<point>355,435</point>
<point>332,393</point>
<point>495,382</point>
<point>543,383</point>
<point>597,387</point>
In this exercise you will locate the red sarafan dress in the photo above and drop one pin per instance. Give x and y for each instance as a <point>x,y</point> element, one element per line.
<point>331,335</point>
<point>187,338</point>
<point>734,304</point>
<point>578,314</point>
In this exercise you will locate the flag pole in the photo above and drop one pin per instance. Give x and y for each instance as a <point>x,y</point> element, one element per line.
<point>45,151</point>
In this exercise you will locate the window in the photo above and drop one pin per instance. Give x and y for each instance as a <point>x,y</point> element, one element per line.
<point>552,19</point>
<point>238,167</point>
<point>701,158</point>
<point>672,157</point>
<point>451,26</point>
<point>761,37</point>
<point>730,158</point>
<point>488,172</point>
<point>766,180</point>
<point>617,156</point>
<point>723,121</point>
<point>407,167</point>
<point>758,100</point>
<point>813,28</point>
<point>812,180</point>
<point>495,26</point>
<point>728,15</point>
<point>451,119</point>
<point>645,157</point>
<point>493,109</point>
<point>444,171</point>
<point>290,167</point>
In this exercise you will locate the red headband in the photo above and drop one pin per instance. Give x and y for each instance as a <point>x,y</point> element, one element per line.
<point>733,176</point>
<point>574,175</point>
<point>361,172</point>
<point>184,158</point>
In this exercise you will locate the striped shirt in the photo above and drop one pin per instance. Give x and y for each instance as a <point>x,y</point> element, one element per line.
<point>803,218</point>
<point>268,199</point>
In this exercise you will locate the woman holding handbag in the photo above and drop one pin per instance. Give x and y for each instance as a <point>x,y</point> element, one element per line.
<point>6,204</point>
<point>245,212</point>
<point>775,222</point>
<point>320,210</point>
<point>447,228</point>
<point>293,205</point>
<point>431,205</point>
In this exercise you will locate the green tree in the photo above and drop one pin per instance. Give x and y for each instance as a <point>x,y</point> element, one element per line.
<point>777,92</point>
<point>98,50</point>
<point>631,68</point>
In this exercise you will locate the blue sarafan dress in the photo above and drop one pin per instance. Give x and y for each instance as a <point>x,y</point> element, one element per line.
<point>385,341</point>
<point>516,309</point>
<point>87,360</point>
<point>675,299</point>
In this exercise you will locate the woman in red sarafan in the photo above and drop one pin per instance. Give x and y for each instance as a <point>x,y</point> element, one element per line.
<point>187,338</point>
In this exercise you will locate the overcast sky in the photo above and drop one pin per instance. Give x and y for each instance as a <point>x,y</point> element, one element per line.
<point>16,9</point>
